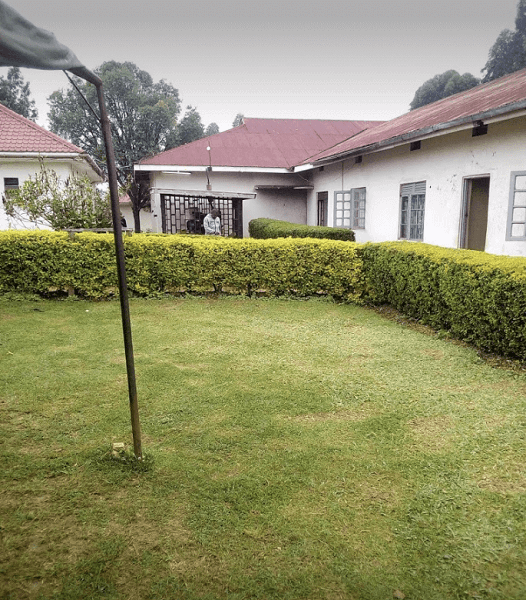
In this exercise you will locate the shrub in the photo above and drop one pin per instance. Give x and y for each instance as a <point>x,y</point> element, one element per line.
<point>480,298</point>
<point>272,228</point>
<point>37,261</point>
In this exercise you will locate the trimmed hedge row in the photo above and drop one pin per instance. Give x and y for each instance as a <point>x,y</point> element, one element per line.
<point>479,298</point>
<point>272,228</point>
<point>41,261</point>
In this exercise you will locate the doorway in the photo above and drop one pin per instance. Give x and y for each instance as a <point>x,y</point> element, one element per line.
<point>474,222</point>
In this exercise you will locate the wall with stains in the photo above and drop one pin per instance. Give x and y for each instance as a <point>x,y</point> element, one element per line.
<point>443,163</point>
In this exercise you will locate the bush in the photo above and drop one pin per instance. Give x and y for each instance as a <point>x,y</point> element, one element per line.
<point>480,298</point>
<point>272,228</point>
<point>40,262</point>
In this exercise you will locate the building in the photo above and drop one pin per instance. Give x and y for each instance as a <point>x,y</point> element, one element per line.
<point>24,146</point>
<point>452,173</point>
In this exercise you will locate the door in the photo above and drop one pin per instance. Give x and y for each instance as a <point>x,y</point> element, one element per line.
<point>474,213</point>
<point>323,208</point>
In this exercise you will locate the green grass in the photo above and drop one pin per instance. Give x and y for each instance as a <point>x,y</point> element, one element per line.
<point>293,450</point>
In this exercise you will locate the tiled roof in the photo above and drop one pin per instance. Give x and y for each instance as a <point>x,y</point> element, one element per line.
<point>501,96</point>
<point>263,143</point>
<point>18,134</point>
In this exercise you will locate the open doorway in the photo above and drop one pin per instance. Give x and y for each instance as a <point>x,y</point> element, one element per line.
<point>474,218</point>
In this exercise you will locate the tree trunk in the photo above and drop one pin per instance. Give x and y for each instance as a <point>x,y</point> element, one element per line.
<point>136,218</point>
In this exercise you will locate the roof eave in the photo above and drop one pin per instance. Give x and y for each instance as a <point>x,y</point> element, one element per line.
<point>440,128</point>
<point>177,169</point>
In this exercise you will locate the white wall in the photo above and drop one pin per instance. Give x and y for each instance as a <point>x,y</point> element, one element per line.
<point>146,217</point>
<point>22,169</point>
<point>443,162</point>
<point>287,205</point>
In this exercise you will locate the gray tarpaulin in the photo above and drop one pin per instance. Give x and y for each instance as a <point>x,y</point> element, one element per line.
<point>24,45</point>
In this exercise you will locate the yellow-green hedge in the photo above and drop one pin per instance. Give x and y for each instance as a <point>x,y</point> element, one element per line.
<point>38,262</point>
<point>480,298</point>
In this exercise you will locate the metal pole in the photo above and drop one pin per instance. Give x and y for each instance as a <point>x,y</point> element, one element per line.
<point>121,270</point>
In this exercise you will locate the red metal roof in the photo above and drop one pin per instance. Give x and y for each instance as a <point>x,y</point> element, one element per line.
<point>277,143</point>
<point>500,96</point>
<point>18,134</point>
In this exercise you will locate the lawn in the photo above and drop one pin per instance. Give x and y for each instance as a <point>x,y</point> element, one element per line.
<point>293,450</point>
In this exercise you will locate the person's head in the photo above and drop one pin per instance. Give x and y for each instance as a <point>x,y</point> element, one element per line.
<point>214,213</point>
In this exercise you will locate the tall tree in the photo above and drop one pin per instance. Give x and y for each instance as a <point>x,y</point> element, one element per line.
<point>238,120</point>
<point>508,53</point>
<point>143,117</point>
<point>191,127</point>
<point>212,129</point>
<point>441,86</point>
<point>15,94</point>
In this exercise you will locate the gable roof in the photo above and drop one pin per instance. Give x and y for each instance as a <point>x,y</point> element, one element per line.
<point>500,97</point>
<point>18,134</point>
<point>262,143</point>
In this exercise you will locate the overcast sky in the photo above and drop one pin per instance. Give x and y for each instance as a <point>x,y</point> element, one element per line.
<point>329,59</point>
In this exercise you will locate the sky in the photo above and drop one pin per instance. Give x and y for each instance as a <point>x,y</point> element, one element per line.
<point>329,59</point>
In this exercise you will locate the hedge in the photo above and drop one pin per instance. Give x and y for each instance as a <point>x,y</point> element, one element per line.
<point>272,229</point>
<point>42,262</point>
<point>480,298</point>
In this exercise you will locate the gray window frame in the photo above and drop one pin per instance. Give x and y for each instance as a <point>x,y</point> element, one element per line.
<point>415,216</point>
<point>512,207</point>
<point>354,212</point>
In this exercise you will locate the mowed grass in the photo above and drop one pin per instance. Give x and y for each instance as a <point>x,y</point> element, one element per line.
<point>293,450</point>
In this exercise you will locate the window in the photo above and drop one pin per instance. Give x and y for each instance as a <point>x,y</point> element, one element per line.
<point>323,201</point>
<point>412,205</point>
<point>10,183</point>
<point>349,208</point>
<point>517,207</point>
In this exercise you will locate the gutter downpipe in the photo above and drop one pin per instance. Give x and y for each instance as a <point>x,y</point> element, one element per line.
<point>119,251</point>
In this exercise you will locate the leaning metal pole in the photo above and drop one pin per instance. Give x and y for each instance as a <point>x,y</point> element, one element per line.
<point>121,269</point>
<point>119,251</point>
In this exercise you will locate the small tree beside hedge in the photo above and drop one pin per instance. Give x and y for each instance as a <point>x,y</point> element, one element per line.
<point>272,228</point>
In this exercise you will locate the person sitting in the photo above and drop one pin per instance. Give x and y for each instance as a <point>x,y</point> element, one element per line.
<point>212,223</point>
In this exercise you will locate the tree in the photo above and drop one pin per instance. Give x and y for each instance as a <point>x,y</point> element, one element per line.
<point>442,86</point>
<point>143,116</point>
<point>15,94</point>
<point>508,53</point>
<point>212,129</point>
<point>238,120</point>
<point>46,200</point>
<point>191,127</point>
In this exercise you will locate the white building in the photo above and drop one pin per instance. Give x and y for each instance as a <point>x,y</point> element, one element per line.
<point>24,145</point>
<point>452,173</point>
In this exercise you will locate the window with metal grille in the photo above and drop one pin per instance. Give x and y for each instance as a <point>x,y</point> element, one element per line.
<point>412,208</point>
<point>517,208</point>
<point>11,183</point>
<point>185,213</point>
<point>323,202</point>
<point>349,208</point>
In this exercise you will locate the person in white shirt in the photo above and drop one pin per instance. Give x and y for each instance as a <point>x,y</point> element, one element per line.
<point>212,223</point>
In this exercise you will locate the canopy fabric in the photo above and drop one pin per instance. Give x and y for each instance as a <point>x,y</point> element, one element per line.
<point>24,45</point>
